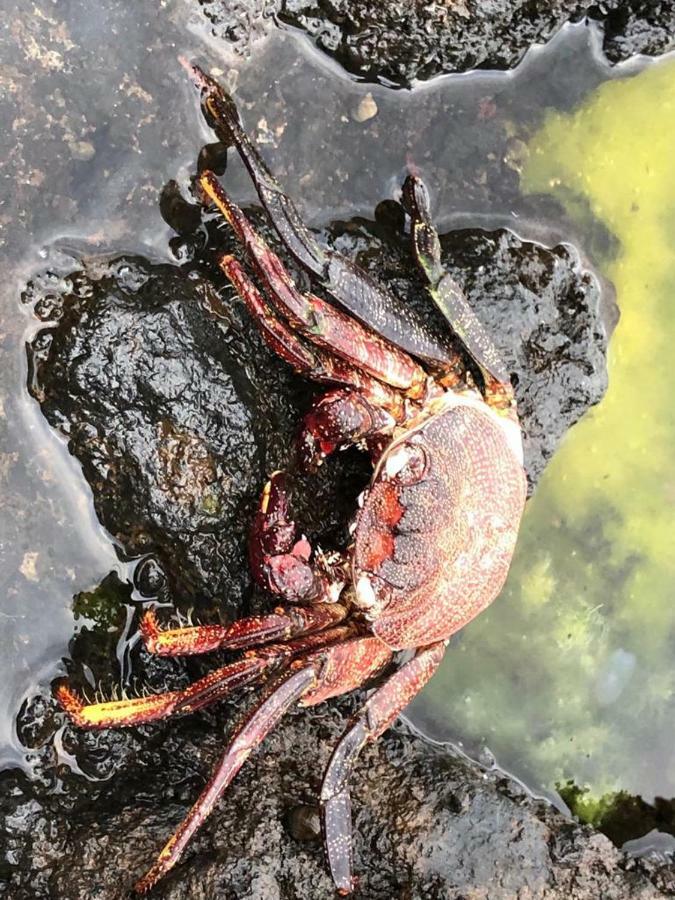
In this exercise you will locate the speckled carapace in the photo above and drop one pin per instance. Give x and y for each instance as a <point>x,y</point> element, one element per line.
<point>436,528</point>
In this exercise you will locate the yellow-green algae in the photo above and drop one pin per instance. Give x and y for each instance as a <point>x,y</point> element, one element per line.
<point>571,674</point>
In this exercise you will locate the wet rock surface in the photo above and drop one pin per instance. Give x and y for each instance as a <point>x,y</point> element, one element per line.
<point>427,825</point>
<point>167,397</point>
<point>402,41</point>
<point>176,412</point>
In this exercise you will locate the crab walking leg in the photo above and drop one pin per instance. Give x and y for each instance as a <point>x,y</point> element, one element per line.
<point>377,715</point>
<point>254,666</point>
<point>222,116</point>
<point>317,320</point>
<point>310,361</point>
<point>247,737</point>
<point>355,290</point>
<point>364,409</point>
<point>444,290</point>
<point>141,710</point>
<point>253,631</point>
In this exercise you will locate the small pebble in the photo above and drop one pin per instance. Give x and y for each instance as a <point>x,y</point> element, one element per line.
<point>82,149</point>
<point>304,823</point>
<point>366,109</point>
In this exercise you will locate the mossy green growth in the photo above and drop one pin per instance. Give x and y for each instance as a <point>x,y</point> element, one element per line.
<point>103,607</point>
<point>571,674</point>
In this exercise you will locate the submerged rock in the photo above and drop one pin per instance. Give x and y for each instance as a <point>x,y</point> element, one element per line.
<point>401,41</point>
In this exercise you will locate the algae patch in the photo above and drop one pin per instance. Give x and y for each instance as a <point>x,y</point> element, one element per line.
<point>570,675</point>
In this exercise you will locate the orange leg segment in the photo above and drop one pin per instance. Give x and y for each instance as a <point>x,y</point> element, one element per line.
<point>141,710</point>
<point>312,361</point>
<point>253,631</point>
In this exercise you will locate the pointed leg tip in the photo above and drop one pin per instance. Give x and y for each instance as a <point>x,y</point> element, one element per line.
<point>196,74</point>
<point>145,884</point>
<point>70,702</point>
<point>149,629</point>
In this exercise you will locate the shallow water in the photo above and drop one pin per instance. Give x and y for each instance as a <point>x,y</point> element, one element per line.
<point>102,130</point>
<point>569,677</point>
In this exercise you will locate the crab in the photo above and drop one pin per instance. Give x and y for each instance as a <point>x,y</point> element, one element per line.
<point>433,538</point>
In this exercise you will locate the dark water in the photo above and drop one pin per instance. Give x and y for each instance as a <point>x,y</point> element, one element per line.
<point>97,117</point>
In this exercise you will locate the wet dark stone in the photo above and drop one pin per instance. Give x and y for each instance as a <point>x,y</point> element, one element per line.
<point>176,416</point>
<point>165,435</point>
<point>401,41</point>
<point>427,825</point>
<point>176,411</point>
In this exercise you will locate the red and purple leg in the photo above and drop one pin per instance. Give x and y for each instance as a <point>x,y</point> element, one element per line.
<point>318,321</point>
<point>246,738</point>
<point>253,631</point>
<point>316,676</point>
<point>381,709</point>
<point>354,289</point>
<point>141,710</point>
<point>309,360</point>
<point>254,666</point>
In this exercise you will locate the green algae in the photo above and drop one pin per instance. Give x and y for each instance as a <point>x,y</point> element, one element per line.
<point>570,675</point>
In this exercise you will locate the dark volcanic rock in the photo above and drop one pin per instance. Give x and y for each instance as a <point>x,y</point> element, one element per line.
<point>166,435</point>
<point>175,413</point>
<point>427,825</point>
<point>403,40</point>
<point>176,410</point>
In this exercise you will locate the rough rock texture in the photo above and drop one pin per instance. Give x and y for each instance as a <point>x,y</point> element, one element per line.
<point>174,414</point>
<point>427,824</point>
<point>403,40</point>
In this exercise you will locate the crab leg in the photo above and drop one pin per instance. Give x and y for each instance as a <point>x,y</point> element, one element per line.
<point>377,715</point>
<point>310,361</point>
<point>141,710</point>
<point>447,294</point>
<point>246,738</point>
<point>253,631</point>
<point>255,665</point>
<point>317,320</point>
<point>346,282</point>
